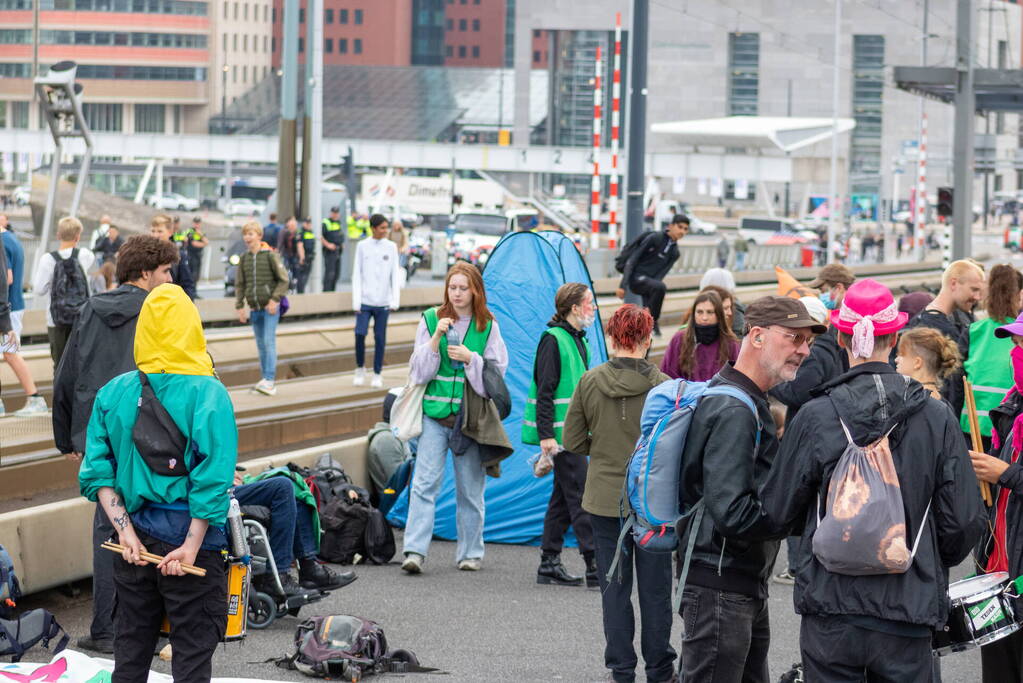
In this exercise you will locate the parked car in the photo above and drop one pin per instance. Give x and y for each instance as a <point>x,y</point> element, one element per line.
<point>473,233</point>
<point>698,226</point>
<point>21,195</point>
<point>765,230</point>
<point>407,216</point>
<point>243,207</point>
<point>172,201</point>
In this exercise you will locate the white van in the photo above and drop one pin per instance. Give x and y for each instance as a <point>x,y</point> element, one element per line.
<point>759,230</point>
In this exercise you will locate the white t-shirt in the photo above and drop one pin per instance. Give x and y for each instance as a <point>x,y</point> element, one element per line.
<point>376,277</point>
<point>44,274</point>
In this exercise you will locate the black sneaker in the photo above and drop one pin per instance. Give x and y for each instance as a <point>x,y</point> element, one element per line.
<point>312,574</point>
<point>265,583</point>
<point>102,645</point>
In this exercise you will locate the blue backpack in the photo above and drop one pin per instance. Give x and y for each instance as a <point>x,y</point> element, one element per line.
<point>651,485</point>
<point>10,590</point>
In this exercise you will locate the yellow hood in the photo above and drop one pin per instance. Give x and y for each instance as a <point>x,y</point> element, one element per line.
<point>169,336</point>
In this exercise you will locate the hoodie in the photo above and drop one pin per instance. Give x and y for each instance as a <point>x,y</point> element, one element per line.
<point>933,468</point>
<point>603,423</point>
<point>171,349</point>
<point>99,349</point>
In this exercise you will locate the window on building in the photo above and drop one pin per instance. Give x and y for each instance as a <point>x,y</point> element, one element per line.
<point>743,73</point>
<point>245,74</point>
<point>358,16</point>
<point>225,42</point>
<point>342,46</point>
<point>236,11</point>
<point>449,51</point>
<point>475,24</point>
<point>357,46</point>
<point>245,11</point>
<point>328,46</point>
<point>998,182</point>
<point>329,16</point>
<point>273,45</point>
<point>234,41</point>
<point>868,89</point>
<point>102,116</point>
<point>266,43</point>
<point>245,43</point>
<point>463,2</point>
<point>234,74</point>
<point>536,55</point>
<point>225,10</point>
<point>274,15</point>
<point>461,50</point>
<point>462,24</point>
<point>451,25</point>
<point>301,44</point>
<point>301,15</point>
<point>266,12</point>
<point>475,50</point>
<point>19,114</point>
<point>342,16</point>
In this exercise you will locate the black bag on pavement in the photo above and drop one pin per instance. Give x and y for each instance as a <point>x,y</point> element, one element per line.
<point>327,480</point>
<point>69,289</point>
<point>379,538</point>
<point>343,522</point>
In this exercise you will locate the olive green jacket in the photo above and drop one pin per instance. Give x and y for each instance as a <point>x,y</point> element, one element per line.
<point>261,278</point>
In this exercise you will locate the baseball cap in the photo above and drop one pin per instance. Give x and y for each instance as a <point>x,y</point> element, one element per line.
<point>834,272</point>
<point>335,209</point>
<point>783,311</point>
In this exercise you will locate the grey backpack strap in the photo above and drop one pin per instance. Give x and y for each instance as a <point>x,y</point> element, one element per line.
<point>694,528</point>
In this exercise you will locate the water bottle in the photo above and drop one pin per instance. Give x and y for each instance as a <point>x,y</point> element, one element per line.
<point>454,340</point>
<point>239,544</point>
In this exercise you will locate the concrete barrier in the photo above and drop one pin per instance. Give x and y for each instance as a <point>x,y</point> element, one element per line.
<point>51,544</point>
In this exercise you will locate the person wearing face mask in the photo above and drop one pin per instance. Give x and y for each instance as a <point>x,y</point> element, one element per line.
<point>562,356</point>
<point>827,359</point>
<point>1001,549</point>
<point>704,345</point>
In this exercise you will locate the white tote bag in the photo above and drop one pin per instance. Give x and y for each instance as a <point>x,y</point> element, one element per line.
<point>407,412</point>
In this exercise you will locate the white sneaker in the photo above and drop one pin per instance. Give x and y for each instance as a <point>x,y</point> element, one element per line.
<point>377,381</point>
<point>265,386</point>
<point>413,563</point>
<point>471,564</point>
<point>360,377</point>
<point>35,405</point>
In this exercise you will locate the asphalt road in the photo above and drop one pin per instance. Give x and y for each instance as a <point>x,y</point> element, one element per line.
<point>495,625</point>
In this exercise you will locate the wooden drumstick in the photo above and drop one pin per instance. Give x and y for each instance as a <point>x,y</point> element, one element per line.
<point>978,446</point>
<point>156,559</point>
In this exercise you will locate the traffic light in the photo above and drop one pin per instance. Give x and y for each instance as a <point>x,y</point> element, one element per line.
<point>346,165</point>
<point>945,201</point>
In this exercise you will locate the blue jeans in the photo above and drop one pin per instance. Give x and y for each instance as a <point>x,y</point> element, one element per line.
<point>426,481</point>
<point>740,260</point>
<point>291,524</point>
<point>264,326</point>
<point>379,315</point>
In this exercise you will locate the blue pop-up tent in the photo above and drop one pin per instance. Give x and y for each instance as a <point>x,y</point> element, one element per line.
<point>521,277</point>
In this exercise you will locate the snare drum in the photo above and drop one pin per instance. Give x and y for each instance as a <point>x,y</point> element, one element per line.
<point>981,612</point>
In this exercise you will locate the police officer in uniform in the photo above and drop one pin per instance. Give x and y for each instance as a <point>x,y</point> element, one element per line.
<point>358,226</point>
<point>333,239</point>
<point>195,242</point>
<point>180,240</point>
<point>306,253</point>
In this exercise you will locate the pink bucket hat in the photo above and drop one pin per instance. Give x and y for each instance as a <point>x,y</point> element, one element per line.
<point>868,310</point>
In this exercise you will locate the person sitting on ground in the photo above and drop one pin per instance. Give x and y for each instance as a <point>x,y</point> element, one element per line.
<point>161,227</point>
<point>153,508</point>
<point>880,626</point>
<point>293,535</point>
<point>927,356</point>
<point>385,451</point>
<point>704,345</point>
<point>260,284</point>
<point>100,348</point>
<point>723,280</point>
<point>650,261</point>
<point>603,422</point>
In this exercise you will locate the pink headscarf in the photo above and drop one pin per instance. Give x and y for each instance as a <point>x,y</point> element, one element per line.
<point>863,328</point>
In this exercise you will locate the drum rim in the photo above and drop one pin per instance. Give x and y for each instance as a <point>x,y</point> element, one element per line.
<point>977,642</point>
<point>1001,577</point>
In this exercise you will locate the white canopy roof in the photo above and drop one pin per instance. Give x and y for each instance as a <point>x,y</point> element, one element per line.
<point>780,132</point>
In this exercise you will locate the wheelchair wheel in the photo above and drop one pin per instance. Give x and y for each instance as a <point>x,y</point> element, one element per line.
<point>262,610</point>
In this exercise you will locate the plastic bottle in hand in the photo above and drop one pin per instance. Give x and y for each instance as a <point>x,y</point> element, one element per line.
<point>454,340</point>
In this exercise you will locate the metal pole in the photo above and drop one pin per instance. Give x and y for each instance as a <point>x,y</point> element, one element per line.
<point>289,111</point>
<point>962,153</point>
<point>788,112</point>
<point>636,140</point>
<point>595,181</point>
<point>616,106</point>
<point>833,208</point>
<point>51,202</point>
<point>314,107</point>
<point>307,96</point>
<point>987,120</point>
<point>223,103</point>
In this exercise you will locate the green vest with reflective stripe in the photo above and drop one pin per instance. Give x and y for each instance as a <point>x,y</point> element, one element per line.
<point>444,392</point>
<point>572,368</point>
<point>989,369</point>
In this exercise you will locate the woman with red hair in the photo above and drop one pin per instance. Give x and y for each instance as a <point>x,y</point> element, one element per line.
<point>445,366</point>
<point>603,423</point>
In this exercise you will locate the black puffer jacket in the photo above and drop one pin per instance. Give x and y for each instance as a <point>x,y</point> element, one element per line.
<point>933,467</point>
<point>827,360</point>
<point>723,465</point>
<point>100,348</point>
<point>1002,417</point>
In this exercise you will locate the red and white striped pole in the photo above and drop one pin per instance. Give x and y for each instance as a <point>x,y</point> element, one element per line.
<point>595,184</point>
<point>920,205</point>
<point>616,96</point>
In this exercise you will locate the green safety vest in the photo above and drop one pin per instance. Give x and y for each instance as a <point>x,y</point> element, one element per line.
<point>179,237</point>
<point>989,369</point>
<point>444,392</point>
<point>331,225</point>
<point>354,228</point>
<point>572,368</point>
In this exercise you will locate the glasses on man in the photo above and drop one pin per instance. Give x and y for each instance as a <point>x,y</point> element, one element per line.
<point>797,339</point>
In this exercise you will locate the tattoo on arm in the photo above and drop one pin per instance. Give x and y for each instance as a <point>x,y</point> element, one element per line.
<point>122,521</point>
<point>189,535</point>
<point>115,502</point>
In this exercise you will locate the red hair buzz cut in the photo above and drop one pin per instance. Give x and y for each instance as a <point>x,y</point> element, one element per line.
<point>629,326</point>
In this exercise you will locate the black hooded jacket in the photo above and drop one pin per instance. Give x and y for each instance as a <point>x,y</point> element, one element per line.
<point>100,348</point>
<point>827,360</point>
<point>933,467</point>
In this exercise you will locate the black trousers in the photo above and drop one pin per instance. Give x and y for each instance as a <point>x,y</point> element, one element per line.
<point>304,269</point>
<point>194,267</point>
<point>725,637</point>
<point>835,651</point>
<point>565,507</point>
<point>654,584</point>
<point>331,269</point>
<point>1002,660</point>
<point>652,292</point>
<point>196,607</point>
<point>102,577</point>
<point>58,335</point>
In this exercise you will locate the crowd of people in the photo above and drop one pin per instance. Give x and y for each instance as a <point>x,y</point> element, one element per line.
<point>848,375</point>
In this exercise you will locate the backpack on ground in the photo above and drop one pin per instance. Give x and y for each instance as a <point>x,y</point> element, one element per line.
<point>652,476</point>
<point>378,539</point>
<point>352,526</point>
<point>69,289</point>
<point>342,646</point>
<point>18,635</point>
<point>10,589</point>
<point>401,478</point>
<point>863,531</point>
<point>629,249</point>
<point>327,480</point>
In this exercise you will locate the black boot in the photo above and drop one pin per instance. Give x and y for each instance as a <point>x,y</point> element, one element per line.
<point>312,574</point>
<point>591,571</point>
<point>551,571</point>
